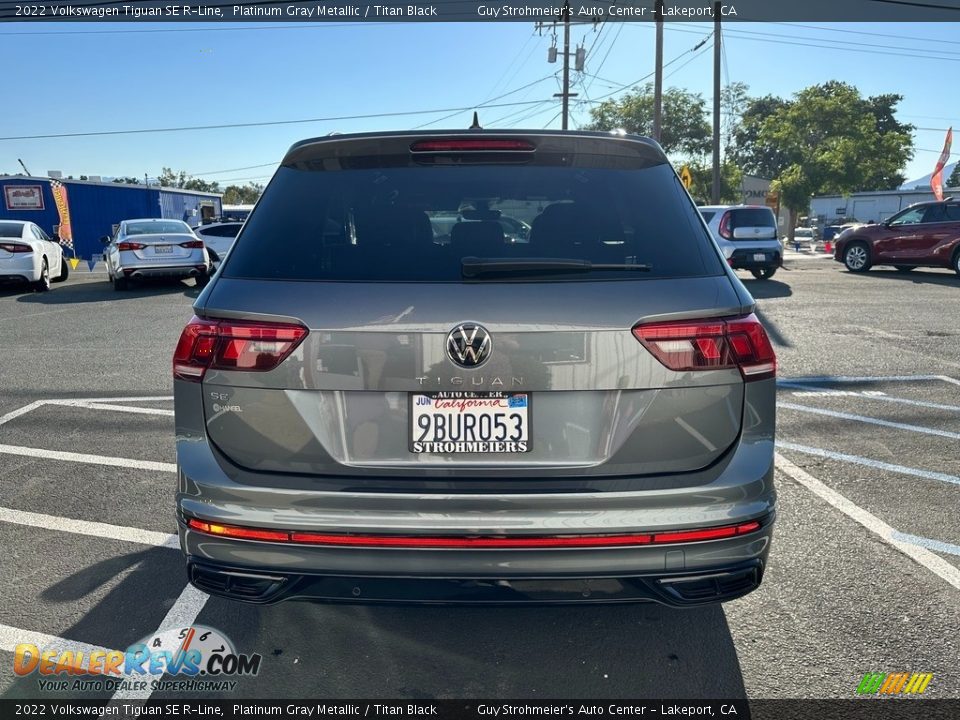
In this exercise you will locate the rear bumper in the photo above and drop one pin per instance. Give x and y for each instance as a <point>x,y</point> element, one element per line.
<point>745,259</point>
<point>675,589</point>
<point>22,267</point>
<point>162,272</point>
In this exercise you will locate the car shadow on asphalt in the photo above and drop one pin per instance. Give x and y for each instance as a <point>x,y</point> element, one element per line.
<point>767,289</point>
<point>432,652</point>
<point>88,292</point>
<point>919,276</point>
<point>147,584</point>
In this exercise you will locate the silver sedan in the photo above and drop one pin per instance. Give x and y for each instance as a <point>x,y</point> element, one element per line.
<point>154,248</point>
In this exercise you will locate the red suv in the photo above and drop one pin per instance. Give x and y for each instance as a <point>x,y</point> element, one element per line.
<point>924,235</point>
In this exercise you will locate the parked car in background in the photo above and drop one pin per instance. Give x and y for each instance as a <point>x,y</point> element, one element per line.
<point>154,248</point>
<point>235,213</point>
<point>28,255</point>
<point>924,235</point>
<point>747,237</point>
<point>365,414</point>
<point>218,238</point>
<point>806,236</point>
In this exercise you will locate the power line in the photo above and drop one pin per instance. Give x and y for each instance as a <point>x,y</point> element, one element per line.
<point>485,103</point>
<point>870,34</point>
<point>262,124</point>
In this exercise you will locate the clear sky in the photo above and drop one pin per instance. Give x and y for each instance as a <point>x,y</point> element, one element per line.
<point>88,77</point>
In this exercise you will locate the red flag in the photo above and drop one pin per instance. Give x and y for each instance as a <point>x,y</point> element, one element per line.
<point>936,182</point>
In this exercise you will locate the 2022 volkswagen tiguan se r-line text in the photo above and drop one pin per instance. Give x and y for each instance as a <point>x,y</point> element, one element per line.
<point>375,406</point>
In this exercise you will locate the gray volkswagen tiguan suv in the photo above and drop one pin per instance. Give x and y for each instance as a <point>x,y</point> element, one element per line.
<point>372,405</point>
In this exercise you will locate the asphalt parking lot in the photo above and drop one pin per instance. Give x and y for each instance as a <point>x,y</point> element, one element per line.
<point>864,573</point>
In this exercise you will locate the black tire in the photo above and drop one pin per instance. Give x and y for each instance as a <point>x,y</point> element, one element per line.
<point>120,284</point>
<point>201,280</point>
<point>43,284</point>
<point>905,268</point>
<point>956,262</point>
<point>856,257</point>
<point>64,271</point>
<point>764,273</point>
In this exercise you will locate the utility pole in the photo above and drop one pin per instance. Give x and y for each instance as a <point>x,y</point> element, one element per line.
<point>716,104</point>
<point>565,95</point>
<point>658,81</point>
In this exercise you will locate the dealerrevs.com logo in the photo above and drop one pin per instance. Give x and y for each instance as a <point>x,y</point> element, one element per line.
<point>195,658</point>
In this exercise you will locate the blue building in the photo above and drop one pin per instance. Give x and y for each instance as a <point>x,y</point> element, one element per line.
<point>95,207</point>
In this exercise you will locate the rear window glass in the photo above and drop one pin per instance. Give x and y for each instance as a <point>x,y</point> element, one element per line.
<point>416,223</point>
<point>751,217</point>
<point>148,228</point>
<point>11,230</point>
<point>708,215</point>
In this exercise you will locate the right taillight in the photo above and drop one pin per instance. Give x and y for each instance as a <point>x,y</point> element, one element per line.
<point>724,229</point>
<point>130,246</point>
<point>714,344</point>
<point>233,345</point>
<point>15,248</point>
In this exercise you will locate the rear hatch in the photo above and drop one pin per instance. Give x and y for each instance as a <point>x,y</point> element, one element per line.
<point>749,225</point>
<point>163,248</point>
<point>407,334</point>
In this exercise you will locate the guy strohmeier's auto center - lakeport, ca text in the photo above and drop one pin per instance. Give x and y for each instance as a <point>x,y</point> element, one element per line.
<point>319,11</point>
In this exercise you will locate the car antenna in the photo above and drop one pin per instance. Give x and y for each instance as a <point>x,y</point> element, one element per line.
<point>476,122</point>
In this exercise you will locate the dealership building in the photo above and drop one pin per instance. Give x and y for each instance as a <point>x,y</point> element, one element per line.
<point>94,207</point>
<point>867,207</point>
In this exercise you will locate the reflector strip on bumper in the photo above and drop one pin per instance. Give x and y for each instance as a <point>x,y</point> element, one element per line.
<point>434,541</point>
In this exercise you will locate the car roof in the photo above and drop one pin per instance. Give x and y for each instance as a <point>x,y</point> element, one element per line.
<point>733,207</point>
<point>297,150</point>
<point>147,220</point>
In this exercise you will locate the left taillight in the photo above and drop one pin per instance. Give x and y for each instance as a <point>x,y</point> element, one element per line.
<point>233,345</point>
<point>194,244</point>
<point>15,248</point>
<point>713,344</point>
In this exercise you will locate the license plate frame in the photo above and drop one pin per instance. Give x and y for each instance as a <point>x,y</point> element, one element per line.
<point>520,403</point>
<point>163,249</point>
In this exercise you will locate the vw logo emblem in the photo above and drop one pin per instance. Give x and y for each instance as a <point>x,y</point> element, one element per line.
<point>469,345</point>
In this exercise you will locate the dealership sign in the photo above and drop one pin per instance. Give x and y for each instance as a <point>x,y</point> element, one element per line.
<point>23,197</point>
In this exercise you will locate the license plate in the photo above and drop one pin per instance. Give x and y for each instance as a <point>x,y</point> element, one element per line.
<point>470,422</point>
<point>759,257</point>
<point>163,249</point>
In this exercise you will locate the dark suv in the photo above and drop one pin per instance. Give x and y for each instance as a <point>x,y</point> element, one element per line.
<point>924,235</point>
<point>366,413</point>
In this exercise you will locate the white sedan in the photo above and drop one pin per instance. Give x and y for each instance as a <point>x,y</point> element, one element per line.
<point>27,254</point>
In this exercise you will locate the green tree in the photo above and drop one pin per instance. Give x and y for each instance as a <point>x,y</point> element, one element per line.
<point>684,129</point>
<point>242,194</point>
<point>830,139</point>
<point>954,180</point>
<point>127,180</point>
<point>701,189</point>
<point>169,178</point>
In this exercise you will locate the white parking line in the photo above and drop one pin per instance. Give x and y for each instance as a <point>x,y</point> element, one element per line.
<point>91,405</point>
<point>870,396</point>
<point>943,547</point>
<point>183,614</point>
<point>85,458</point>
<point>935,564</point>
<point>867,462</point>
<point>10,637</point>
<point>84,527</point>
<point>870,420</point>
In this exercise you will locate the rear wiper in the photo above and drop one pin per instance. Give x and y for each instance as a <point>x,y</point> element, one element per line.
<point>475,267</point>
